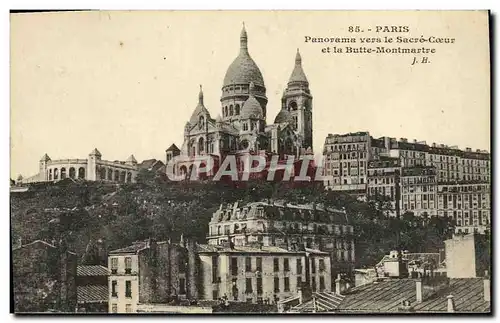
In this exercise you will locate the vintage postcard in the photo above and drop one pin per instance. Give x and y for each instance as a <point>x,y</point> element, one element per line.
<point>265,162</point>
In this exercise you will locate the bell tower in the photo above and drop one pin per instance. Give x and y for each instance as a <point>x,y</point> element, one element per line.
<point>297,99</point>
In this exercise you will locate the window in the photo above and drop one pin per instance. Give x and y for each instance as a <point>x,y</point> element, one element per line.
<point>287,284</point>
<point>276,264</point>
<point>215,269</point>
<point>322,265</point>
<point>114,292</point>
<point>128,288</point>
<point>313,283</point>
<point>234,266</point>
<point>248,264</point>
<point>276,284</point>
<point>259,286</point>
<point>248,285</point>
<point>321,283</point>
<point>128,265</point>
<point>286,265</point>
<point>299,282</point>
<point>259,264</point>
<point>313,266</point>
<point>215,295</point>
<point>114,265</point>
<point>114,308</point>
<point>128,308</point>
<point>182,286</point>
<point>299,266</point>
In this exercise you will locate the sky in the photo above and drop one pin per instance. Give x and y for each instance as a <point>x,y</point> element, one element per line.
<point>127,82</point>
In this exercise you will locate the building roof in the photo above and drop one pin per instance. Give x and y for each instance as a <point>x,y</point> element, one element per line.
<point>386,296</point>
<point>173,147</point>
<point>199,110</point>
<point>95,152</point>
<point>283,116</point>
<point>298,75</point>
<point>131,159</point>
<point>92,294</point>
<point>205,248</point>
<point>139,245</point>
<point>243,69</point>
<point>91,270</point>
<point>45,158</point>
<point>40,243</point>
<point>323,302</point>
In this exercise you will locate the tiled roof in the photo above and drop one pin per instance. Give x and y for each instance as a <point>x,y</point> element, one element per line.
<point>91,270</point>
<point>387,296</point>
<point>92,294</point>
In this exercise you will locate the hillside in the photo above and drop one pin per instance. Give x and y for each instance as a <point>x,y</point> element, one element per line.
<point>98,217</point>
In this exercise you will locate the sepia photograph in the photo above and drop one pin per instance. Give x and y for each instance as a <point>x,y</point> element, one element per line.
<point>250,162</point>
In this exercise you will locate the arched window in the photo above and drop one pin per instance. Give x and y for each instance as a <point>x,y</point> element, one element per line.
<point>103,173</point>
<point>117,176</point>
<point>245,126</point>
<point>63,173</point>
<point>237,109</point>
<point>81,172</point>
<point>201,122</point>
<point>110,174</point>
<point>129,177</point>
<point>123,176</point>
<point>72,172</point>
<point>292,106</point>
<point>225,111</point>
<point>201,145</point>
<point>56,173</point>
<point>183,170</point>
<point>50,174</point>
<point>231,111</point>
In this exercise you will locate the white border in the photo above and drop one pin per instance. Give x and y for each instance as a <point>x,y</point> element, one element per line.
<point>194,5</point>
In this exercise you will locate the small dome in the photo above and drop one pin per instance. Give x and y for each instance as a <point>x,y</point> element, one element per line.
<point>283,116</point>
<point>243,69</point>
<point>95,152</point>
<point>251,108</point>
<point>45,158</point>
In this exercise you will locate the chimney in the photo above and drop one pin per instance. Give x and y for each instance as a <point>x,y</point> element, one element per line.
<point>415,141</point>
<point>192,270</point>
<point>468,149</point>
<point>338,285</point>
<point>487,287</point>
<point>451,304</point>
<point>433,145</point>
<point>418,285</point>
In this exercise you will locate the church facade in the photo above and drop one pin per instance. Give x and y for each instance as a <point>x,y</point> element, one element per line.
<point>241,127</point>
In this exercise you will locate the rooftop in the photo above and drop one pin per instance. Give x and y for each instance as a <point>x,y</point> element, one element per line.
<point>92,294</point>
<point>91,270</point>
<point>386,296</point>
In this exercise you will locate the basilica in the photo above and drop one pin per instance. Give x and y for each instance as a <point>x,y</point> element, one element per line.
<point>241,127</point>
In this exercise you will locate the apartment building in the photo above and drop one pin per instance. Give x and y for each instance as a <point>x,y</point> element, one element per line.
<point>261,274</point>
<point>423,168</point>
<point>151,272</point>
<point>287,226</point>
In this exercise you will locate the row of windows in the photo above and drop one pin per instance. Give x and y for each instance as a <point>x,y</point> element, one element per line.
<point>128,288</point>
<point>72,173</point>
<point>347,147</point>
<point>231,110</point>
<point>114,308</point>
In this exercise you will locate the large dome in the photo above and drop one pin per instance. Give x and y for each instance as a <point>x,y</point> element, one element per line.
<point>243,69</point>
